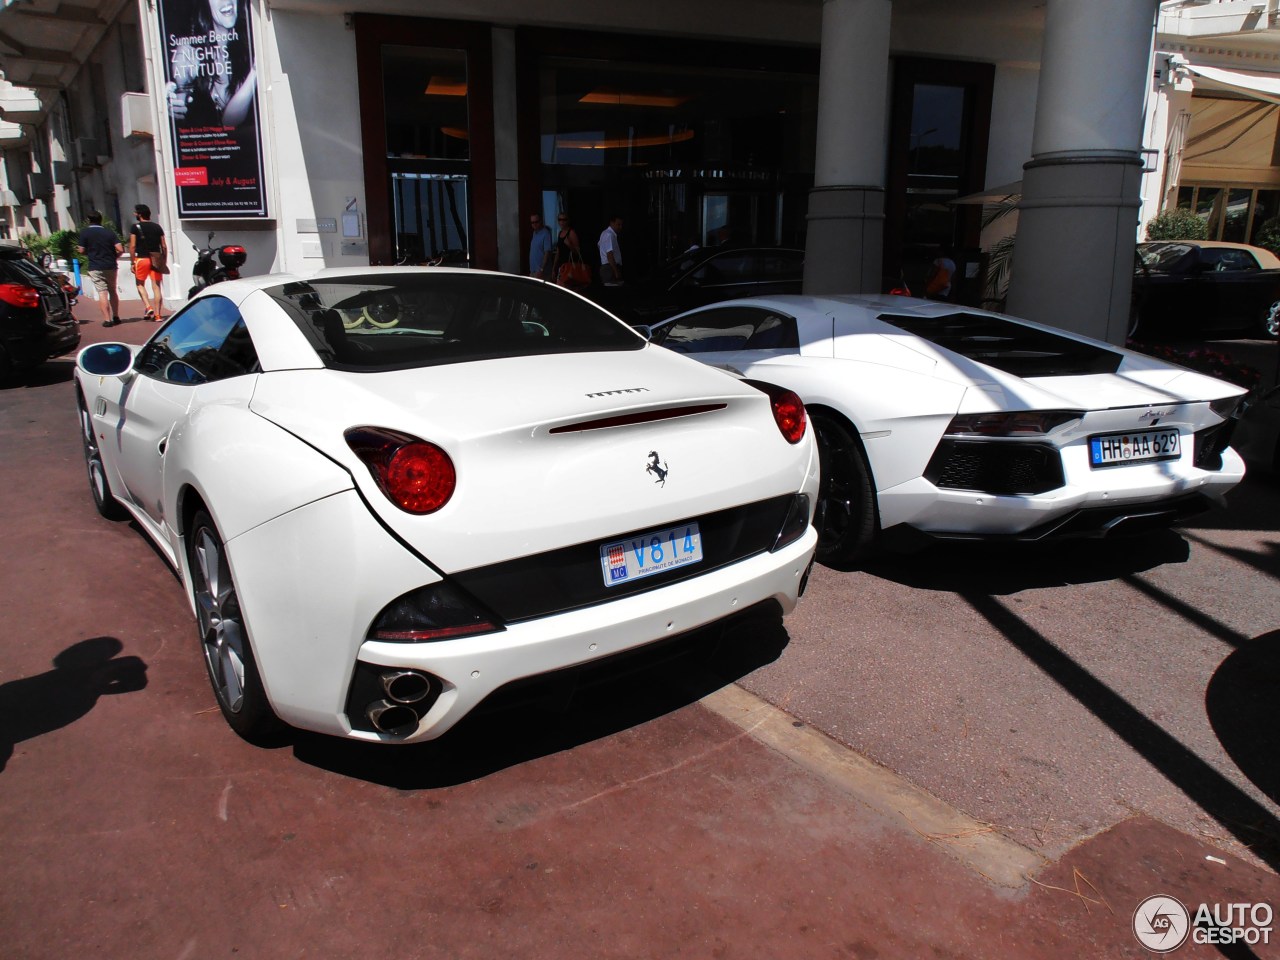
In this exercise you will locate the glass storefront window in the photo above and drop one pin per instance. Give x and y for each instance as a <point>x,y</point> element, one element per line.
<point>1235,221</point>
<point>596,113</point>
<point>430,218</point>
<point>1209,208</point>
<point>1234,214</point>
<point>428,152</point>
<point>935,165</point>
<point>687,155</point>
<point>1266,206</point>
<point>425,92</point>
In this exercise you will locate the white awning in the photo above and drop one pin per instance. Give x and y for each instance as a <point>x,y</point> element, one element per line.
<point>1262,86</point>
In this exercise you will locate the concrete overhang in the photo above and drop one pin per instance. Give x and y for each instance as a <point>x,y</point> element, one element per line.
<point>20,104</point>
<point>13,134</point>
<point>43,46</point>
<point>1187,20</point>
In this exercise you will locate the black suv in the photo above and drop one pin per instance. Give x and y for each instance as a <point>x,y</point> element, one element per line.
<point>35,315</point>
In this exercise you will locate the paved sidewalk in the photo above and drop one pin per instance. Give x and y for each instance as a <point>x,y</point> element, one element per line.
<point>668,814</point>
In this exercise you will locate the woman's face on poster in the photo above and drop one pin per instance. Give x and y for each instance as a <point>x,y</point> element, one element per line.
<point>224,12</point>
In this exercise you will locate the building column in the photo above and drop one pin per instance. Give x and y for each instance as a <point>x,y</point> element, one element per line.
<point>1078,219</point>
<point>506,164</point>
<point>845,234</point>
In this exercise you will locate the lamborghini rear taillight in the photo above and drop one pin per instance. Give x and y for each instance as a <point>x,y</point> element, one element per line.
<point>18,295</point>
<point>417,476</point>
<point>788,410</point>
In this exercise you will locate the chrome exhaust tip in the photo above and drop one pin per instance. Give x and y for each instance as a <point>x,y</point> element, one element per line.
<point>405,686</point>
<point>393,719</point>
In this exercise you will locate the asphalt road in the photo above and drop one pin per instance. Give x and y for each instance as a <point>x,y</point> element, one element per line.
<point>1124,692</point>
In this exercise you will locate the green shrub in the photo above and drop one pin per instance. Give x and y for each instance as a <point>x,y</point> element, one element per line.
<point>37,244</point>
<point>1180,224</point>
<point>1268,236</point>
<point>63,243</point>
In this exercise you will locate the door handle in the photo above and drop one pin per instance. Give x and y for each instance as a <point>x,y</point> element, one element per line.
<point>160,447</point>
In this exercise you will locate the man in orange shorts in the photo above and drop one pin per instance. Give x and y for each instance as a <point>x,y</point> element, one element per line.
<point>146,238</point>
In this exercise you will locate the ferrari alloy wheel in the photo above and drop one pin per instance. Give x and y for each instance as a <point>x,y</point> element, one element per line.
<point>107,504</point>
<point>1271,321</point>
<point>227,653</point>
<point>846,514</point>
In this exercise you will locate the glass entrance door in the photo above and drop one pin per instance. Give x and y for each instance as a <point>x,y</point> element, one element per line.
<point>428,153</point>
<point>937,153</point>
<point>427,136</point>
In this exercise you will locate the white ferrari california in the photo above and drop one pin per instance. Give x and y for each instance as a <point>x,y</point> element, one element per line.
<point>938,421</point>
<point>390,492</point>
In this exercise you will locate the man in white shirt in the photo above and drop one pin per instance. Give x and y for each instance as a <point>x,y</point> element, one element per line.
<point>611,253</point>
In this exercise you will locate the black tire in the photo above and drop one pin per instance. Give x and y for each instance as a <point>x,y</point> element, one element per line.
<point>108,506</point>
<point>846,514</point>
<point>224,638</point>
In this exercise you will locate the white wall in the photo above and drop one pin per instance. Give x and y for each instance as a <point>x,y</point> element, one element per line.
<point>314,137</point>
<point>1013,111</point>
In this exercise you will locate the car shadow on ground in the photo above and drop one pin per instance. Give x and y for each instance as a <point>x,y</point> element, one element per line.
<point>1253,505</point>
<point>1000,569</point>
<point>43,375</point>
<point>1243,703</point>
<point>551,714</point>
<point>1239,726</point>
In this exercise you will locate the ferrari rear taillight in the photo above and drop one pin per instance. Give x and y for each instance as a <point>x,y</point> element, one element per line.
<point>18,295</point>
<point>788,410</point>
<point>436,612</point>
<point>417,476</point>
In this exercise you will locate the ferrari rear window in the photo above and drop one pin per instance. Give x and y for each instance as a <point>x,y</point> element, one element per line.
<point>423,317</point>
<point>1009,346</point>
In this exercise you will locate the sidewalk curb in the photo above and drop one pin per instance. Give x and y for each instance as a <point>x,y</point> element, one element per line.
<point>974,844</point>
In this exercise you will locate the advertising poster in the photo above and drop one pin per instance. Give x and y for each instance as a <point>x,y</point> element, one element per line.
<point>211,93</point>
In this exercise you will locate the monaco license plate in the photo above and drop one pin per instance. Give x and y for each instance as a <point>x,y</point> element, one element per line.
<point>648,553</point>
<point>1115,449</point>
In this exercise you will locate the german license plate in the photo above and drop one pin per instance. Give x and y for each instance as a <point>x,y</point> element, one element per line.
<point>648,553</point>
<point>1114,449</point>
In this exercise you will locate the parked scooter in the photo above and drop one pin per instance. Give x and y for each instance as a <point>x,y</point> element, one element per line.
<point>208,270</point>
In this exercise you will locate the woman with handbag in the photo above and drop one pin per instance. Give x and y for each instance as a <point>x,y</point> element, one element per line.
<point>568,268</point>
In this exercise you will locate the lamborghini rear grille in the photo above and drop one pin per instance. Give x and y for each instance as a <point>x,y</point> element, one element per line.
<point>570,578</point>
<point>995,467</point>
<point>1211,442</point>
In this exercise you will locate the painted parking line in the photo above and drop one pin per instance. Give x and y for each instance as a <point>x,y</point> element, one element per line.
<point>976,845</point>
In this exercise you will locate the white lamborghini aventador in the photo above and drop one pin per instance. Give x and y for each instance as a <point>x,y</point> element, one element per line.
<point>938,421</point>
<point>390,492</point>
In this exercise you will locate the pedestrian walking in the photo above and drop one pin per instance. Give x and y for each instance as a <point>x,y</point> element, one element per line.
<point>103,248</point>
<point>611,253</point>
<point>541,247</point>
<point>937,286</point>
<point>149,257</point>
